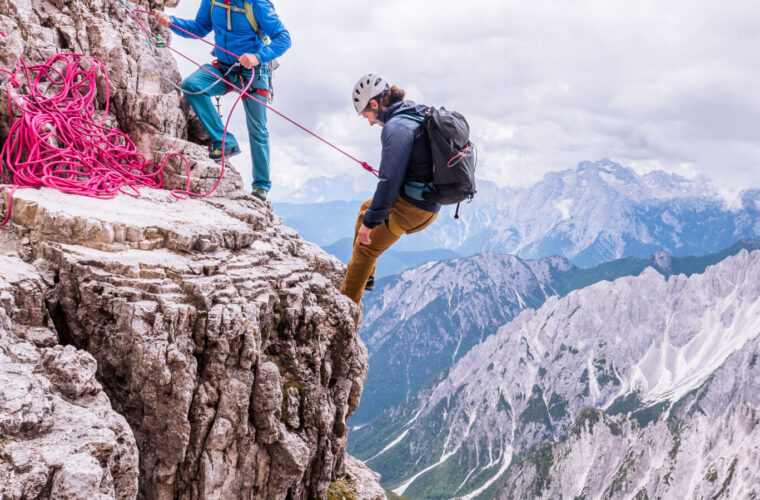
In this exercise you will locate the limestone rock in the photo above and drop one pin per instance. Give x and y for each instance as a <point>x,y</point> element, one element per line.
<point>199,337</point>
<point>218,333</point>
<point>365,482</point>
<point>59,436</point>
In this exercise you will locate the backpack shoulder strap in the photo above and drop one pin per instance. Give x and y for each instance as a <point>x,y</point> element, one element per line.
<point>247,8</point>
<point>252,18</point>
<point>420,131</point>
<point>418,119</point>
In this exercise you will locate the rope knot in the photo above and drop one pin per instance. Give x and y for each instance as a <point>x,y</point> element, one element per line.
<point>156,40</point>
<point>368,167</point>
<point>12,80</point>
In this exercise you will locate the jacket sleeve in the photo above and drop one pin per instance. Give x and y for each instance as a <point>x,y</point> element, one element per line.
<point>200,26</point>
<point>271,26</point>
<point>398,142</point>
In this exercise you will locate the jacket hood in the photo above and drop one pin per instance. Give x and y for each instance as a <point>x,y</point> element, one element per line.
<point>403,107</point>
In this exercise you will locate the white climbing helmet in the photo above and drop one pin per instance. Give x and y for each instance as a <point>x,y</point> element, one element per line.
<point>366,88</point>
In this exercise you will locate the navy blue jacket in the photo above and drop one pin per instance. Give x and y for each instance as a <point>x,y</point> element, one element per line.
<point>403,159</point>
<point>241,39</point>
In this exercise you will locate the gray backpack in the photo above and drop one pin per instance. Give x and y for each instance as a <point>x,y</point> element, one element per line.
<point>454,157</point>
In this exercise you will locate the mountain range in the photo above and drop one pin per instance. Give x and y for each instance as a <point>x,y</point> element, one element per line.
<point>644,387</point>
<point>597,212</point>
<point>423,320</point>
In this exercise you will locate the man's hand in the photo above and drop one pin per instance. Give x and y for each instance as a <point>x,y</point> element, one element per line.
<point>249,60</point>
<point>163,19</point>
<point>364,235</point>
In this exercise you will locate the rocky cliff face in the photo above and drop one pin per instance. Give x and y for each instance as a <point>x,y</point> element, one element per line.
<point>200,338</point>
<point>58,432</point>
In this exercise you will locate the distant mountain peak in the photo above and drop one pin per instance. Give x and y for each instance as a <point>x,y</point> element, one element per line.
<point>596,212</point>
<point>663,260</point>
<point>606,166</point>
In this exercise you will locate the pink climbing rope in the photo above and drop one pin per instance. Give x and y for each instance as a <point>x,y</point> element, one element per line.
<point>58,141</point>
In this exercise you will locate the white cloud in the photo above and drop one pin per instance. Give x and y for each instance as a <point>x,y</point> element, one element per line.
<point>545,84</point>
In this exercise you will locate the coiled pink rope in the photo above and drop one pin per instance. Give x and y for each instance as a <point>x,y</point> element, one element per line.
<point>58,142</point>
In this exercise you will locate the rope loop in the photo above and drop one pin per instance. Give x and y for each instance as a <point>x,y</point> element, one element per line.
<point>369,168</point>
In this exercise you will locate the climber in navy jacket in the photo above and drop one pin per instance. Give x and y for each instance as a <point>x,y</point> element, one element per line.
<point>252,30</point>
<point>406,168</point>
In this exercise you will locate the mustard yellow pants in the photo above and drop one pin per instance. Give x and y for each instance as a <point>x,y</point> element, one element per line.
<point>403,218</point>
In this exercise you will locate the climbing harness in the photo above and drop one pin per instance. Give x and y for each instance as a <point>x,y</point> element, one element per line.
<point>248,11</point>
<point>235,73</point>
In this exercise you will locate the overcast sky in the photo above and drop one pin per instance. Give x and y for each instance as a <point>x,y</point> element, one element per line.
<point>544,84</point>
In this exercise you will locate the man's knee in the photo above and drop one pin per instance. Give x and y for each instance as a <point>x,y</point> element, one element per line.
<point>256,113</point>
<point>260,135</point>
<point>193,83</point>
<point>188,84</point>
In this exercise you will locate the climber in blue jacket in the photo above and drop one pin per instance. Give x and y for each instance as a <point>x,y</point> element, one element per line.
<point>252,30</point>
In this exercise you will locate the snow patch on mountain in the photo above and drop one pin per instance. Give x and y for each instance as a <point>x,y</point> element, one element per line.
<point>564,207</point>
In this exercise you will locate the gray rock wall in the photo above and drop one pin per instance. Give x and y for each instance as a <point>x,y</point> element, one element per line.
<point>59,436</point>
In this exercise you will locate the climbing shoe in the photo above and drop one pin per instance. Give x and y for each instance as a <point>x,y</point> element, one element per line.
<point>370,283</point>
<point>216,153</point>
<point>260,193</point>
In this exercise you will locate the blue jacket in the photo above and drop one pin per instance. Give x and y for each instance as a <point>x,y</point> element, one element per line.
<point>403,159</point>
<point>241,39</point>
